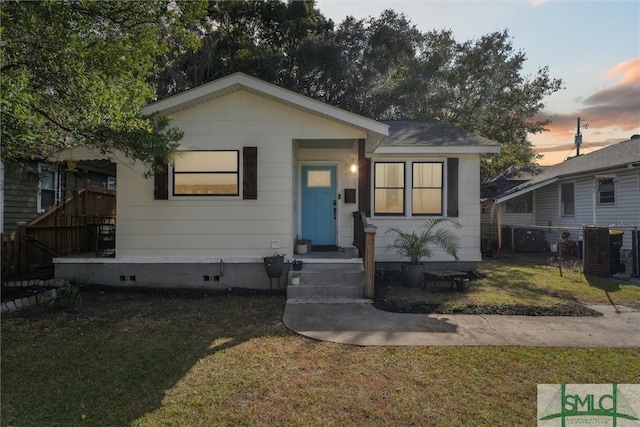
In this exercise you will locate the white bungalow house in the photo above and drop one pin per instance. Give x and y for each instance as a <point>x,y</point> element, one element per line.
<point>259,165</point>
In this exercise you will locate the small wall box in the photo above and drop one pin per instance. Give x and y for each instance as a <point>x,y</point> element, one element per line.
<point>349,195</point>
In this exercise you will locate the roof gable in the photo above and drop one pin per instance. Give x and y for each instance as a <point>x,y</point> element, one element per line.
<point>239,81</point>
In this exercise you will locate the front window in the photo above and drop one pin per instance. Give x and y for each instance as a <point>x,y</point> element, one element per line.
<point>427,189</point>
<point>520,204</point>
<point>606,192</point>
<point>389,188</point>
<point>206,173</point>
<point>46,187</point>
<point>567,200</point>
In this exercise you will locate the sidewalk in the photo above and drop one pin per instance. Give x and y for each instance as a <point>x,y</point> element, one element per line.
<point>361,324</point>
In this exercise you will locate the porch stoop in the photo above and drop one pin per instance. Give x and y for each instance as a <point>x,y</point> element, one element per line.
<point>328,281</point>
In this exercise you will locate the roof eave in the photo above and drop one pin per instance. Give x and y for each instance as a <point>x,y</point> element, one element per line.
<point>525,190</point>
<point>438,149</point>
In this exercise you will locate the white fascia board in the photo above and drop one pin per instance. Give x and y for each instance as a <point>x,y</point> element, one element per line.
<point>465,149</point>
<point>525,190</point>
<point>202,93</point>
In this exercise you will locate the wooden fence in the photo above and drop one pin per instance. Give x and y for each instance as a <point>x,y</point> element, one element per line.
<point>84,223</point>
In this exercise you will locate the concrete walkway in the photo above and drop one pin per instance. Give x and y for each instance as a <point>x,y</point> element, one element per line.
<point>359,323</point>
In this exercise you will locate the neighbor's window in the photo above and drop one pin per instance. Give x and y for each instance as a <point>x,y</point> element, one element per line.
<point>427,189</point>
<point>567,200</point>
<point>206,173</point>
<point>606,192</point>
<point>389,188</point>
<point>46,187</point>
<point>520,204</point>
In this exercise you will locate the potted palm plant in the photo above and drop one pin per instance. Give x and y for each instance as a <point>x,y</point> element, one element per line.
<point>418,246</point>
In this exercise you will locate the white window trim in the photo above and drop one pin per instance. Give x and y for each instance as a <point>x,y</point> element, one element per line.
<point>615,191</point>
<point>173,196</point>
<point>408,183</point>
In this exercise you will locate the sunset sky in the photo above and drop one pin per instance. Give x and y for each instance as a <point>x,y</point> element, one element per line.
<point>593,46</point>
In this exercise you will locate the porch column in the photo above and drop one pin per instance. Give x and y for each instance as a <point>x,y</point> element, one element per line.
<point>369,260</point>
<point>364,182</point>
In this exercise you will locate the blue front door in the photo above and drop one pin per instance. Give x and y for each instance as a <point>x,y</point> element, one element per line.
<point>319,204</point>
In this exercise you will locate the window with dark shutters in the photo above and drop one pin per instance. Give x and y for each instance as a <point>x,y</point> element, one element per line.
<point>161,180</point>
<point>250,173</point>
<point>452,187</point>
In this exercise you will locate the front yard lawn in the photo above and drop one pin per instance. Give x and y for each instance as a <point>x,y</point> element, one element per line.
<point>152,358</point>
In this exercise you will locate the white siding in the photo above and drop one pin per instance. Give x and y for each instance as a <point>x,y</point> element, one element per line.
<point>469,214</point>
<point>626,209</point>
<point>228,226</point>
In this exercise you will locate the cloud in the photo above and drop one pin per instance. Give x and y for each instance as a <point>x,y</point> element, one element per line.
<point>537,3</point>
<point>615,107</point>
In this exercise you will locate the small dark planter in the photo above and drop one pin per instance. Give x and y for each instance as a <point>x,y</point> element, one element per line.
<point>274,265</point>
<point>296,266</point>
<point>412,275</point>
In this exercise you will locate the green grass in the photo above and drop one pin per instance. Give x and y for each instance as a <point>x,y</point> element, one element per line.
<point>509,281</point>
<point>130,358</point>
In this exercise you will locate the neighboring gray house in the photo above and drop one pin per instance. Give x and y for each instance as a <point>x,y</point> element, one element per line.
<point>599,188</point>
<point>31,185</point>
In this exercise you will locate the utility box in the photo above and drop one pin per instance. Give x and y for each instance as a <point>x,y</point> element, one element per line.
<point>350,195</point>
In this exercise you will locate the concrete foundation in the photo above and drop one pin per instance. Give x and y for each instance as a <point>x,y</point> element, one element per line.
<point>184,273</point>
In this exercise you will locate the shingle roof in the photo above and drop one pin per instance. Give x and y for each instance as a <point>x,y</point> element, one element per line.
<point>613,156</point>
<point>431,132</point>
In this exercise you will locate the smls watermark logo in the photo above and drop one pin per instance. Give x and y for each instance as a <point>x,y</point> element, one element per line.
<point>615,405</point>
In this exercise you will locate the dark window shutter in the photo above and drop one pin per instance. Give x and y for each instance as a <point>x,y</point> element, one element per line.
<point>161,180</point>
<point>250,173</point>
<point>452,187</point>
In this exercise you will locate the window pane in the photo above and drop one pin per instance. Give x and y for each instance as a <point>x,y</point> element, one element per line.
<point>47,179</point>
<point>427,201</point>
<point>566,198</point>
<point>427,175</point>
<point>389,201</point>
<point>521,204</point>
<point>202,183</point>
<point>206,161</point>
<point>389,175</point>
<point>319,179</point>
<point>606,192</point>
<point>47,198</point>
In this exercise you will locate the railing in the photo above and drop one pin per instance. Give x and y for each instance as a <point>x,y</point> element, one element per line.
<point>364,235</point>
<point>34,246</point>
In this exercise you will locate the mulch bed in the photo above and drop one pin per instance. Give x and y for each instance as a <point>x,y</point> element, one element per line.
<point>382,302</point>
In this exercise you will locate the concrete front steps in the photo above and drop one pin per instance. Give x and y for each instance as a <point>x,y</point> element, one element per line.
<point>328,281</point>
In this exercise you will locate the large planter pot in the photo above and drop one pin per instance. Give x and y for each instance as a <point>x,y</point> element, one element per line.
<point>412,275</point>
<point>274,265</point>
<point>302,248</point>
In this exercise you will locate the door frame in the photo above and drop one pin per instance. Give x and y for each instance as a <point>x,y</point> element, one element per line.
<point>333,163</point>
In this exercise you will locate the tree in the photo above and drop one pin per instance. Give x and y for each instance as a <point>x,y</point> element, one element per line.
<point>259,38</point>
<point>479,86</point>
<point>384,68</point>
<point>78,73</point>
<point>381,68</point>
